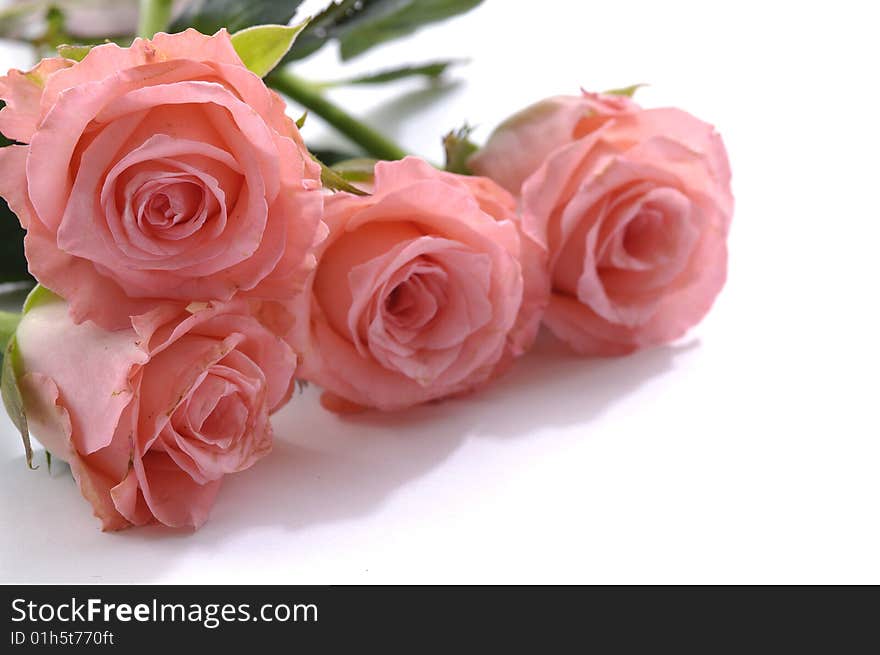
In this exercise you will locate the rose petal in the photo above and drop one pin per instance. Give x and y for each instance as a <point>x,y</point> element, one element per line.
<point>20,118</point>
<point>52,345</point>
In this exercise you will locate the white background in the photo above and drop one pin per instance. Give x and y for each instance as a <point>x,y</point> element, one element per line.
<point>747,453</point>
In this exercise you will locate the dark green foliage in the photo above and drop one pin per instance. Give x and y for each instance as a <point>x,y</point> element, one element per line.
<point>208,16</point>
<point>358,25</point>
<point>13,266</point>
<point>430,70</point>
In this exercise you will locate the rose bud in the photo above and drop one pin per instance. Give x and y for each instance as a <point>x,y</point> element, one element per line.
<point>151,418</point>
<point>419,291</point>
<point>163,171</point>
<point>83,19</point>
<point>632,208</point>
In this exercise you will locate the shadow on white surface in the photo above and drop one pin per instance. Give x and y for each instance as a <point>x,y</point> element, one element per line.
<point>324,469</point>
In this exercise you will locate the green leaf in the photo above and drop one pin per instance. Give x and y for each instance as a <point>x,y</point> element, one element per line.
<point>322,28</point>
<point>459,148</point>
<point>359,25</point>
<point>301,120</point>
<point>358,169</point>
<point>628,91</point>
<point>75,52</point>
<point>261,47</point>
<point>208,16</point>
<point>388,20</point>
<point>430,70</point>
<point>12,399</point>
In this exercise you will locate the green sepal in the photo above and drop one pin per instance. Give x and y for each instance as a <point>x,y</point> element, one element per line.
<point>8,323</point>
<point>74,52</point>
<point>357,169</point>
<point>262,47</point>
<point>628,91</point>
<point>11,365</point>
<point>336,182</point>
<point>39,295</point>
<point>330,156</point>
<point>12,399</point>
<point>459,148</point>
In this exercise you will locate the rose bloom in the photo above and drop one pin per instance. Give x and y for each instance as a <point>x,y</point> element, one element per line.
<point>151,418</point>
<point>166,170</point>
<point>632,208</point>
<point>419,291</point>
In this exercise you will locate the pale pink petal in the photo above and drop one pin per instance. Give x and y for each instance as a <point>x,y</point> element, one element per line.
<point>519,146</point>
<point>173,497</point>
<point>49,422</point>
<point>192,44</point>
<point>21,116</point>
<point>129,500</point>
<point>92,297</point>
<point>13,182</point>
<point>51,344</point>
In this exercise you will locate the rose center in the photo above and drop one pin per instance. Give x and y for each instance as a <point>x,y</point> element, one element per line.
<point>228,419</point>
<point>172,205</point>
<point>645,232</point>
<point>413,303</point>
<point>658,232</point>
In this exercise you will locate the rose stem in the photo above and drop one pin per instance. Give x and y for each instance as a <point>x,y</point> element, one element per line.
<point>154,17</point>
<point>308,95</point>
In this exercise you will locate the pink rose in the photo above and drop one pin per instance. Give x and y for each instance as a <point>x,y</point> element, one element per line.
<point>163,171</point>
<point>632,208</point>
<point>151,418</point>
<point>418,292</point>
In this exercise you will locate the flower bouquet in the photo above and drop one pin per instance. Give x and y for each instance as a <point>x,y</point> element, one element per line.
<point>194,258</point>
